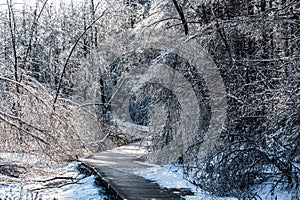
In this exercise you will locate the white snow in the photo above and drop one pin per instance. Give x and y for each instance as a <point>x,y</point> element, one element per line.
<point>171,176</point>
<point>83,189</point>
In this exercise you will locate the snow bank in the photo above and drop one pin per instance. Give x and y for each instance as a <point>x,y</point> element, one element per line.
<point>171,176</point>
<point>78,188</point>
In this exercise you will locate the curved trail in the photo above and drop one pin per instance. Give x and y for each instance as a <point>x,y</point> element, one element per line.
<point>116,168</point>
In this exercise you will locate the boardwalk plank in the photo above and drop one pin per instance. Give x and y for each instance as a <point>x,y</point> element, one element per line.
<point>116,168</point>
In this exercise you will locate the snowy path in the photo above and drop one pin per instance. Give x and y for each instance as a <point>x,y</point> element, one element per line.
<point>118,169</point>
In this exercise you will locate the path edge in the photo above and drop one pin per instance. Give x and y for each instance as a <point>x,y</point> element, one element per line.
<point>100,180</point>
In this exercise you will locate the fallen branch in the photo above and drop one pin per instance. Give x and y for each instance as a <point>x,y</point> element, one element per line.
<point>56,178</point>
<point>59,186</point>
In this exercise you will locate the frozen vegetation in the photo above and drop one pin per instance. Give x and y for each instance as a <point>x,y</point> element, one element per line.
<point>172,176</point>
<point>60,183</point>
<point>212,85</point>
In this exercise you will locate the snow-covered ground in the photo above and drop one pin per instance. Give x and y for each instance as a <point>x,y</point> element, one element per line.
<point>70,186</point>
<point>171,176</point>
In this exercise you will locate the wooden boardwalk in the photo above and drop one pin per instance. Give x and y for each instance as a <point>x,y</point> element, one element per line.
<point>116,168</point>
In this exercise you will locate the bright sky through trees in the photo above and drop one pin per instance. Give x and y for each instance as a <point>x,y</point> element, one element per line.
<point>20,3</point>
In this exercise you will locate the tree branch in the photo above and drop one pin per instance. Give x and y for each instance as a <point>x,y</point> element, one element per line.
<point>182,17</point>
<point>12,27</point>
<point>23,130</point>
<point>70,55</point>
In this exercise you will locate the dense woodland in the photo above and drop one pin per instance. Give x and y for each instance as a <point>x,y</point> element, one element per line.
<point>61,65</point>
